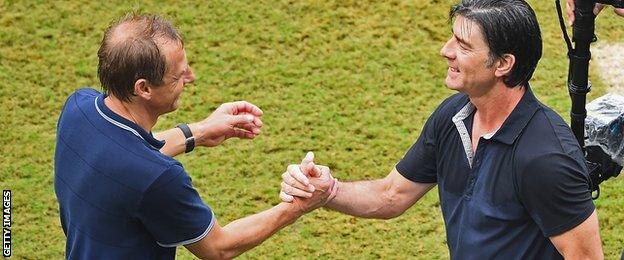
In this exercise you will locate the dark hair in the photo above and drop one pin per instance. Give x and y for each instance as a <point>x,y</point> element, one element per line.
<point>131,50</point>
<point>509,27</point>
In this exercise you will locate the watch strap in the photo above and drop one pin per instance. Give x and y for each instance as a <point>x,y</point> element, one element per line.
<point>188,135</point>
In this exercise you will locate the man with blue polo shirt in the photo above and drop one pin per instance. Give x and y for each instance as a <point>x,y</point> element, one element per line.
<point>121,194</point>
<point>512,180</point>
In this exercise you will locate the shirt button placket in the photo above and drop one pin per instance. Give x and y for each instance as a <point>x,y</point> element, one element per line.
<point>473,172</point>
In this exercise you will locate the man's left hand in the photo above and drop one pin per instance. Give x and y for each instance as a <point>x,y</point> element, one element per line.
<point>235,119</point>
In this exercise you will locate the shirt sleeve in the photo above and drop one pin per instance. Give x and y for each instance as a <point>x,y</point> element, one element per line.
<point>419,163</point>
<point>555,190</point>
<point>173,212</point>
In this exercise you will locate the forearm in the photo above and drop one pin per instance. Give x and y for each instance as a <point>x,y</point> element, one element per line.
<point>175,142</point>
<point>368,199</point>
<point>246,233</point>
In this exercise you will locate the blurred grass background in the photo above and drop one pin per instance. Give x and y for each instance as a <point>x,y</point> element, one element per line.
<point>353,81</point>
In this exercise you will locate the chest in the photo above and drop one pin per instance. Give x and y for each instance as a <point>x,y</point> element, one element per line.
<point>484,173</point>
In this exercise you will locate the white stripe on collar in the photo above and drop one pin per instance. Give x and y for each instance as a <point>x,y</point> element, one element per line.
<point>119,124</point>
<point>458,119</point>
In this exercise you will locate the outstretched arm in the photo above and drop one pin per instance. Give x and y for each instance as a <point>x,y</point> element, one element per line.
<point>243,234</point>
<point>239,119</point>
<point>383,198</point>
<point>246,233</point>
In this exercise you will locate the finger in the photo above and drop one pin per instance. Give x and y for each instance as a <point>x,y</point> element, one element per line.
<point>295,183</point>
<point>258,122</point>
<point>239,133</point>
<point>619,11</point>
<point>296,173</point>
<point>570,11</point>
<point>314,170</point>
<point>598,8</point>
<point>309,168</point>
<point>324,170</point>
<point>256,119</point>
<point>249,127</point>
<point>285,197</point>
<point>239,119</point>
<point>290,190</point>
<point>240,107</point>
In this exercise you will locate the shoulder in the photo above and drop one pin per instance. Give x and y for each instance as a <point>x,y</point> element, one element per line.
<point>83,94</point>
<point>77,99</point>
<point>544,135</point>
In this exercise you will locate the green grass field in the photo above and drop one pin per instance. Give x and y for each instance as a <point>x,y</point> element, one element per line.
<point>353,81</point>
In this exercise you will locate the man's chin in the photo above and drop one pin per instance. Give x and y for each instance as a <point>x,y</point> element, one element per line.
<point>451,85</point>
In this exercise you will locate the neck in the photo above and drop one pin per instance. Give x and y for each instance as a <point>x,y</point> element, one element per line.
<point>132,111</point>
<point>496,105</point>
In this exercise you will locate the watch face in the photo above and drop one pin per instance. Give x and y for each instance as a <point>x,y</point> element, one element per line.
<point>190,144</point>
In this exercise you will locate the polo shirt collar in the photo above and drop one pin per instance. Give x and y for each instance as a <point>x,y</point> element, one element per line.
<point>125,124</point>
<point>518,119</point>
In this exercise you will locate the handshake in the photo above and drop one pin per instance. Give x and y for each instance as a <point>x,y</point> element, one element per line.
<point>308,186</point>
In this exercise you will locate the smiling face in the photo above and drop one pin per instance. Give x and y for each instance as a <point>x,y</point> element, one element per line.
<point>177,75</point>
<point>470,69</point>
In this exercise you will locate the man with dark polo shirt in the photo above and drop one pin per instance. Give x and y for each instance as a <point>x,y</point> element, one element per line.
<point>512,180</point>
<point>120,192</point>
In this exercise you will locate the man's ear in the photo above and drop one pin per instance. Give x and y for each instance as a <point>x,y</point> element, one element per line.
<point>504,65</point>
<point>143,89</point>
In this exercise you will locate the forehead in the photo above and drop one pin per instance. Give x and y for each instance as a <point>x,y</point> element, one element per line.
<point>175,55</point>
<point>469,32</point>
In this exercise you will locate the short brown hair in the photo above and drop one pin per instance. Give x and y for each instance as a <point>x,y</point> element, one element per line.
<point>131,50</point>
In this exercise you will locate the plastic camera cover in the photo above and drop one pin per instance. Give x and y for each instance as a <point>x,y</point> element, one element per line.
<point>604,125</point>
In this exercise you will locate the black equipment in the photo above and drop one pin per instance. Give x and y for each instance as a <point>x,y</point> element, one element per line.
<point>601,166</point>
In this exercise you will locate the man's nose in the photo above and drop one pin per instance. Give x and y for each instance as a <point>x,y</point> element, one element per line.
<point>190,77</point>
<point>446,50</point>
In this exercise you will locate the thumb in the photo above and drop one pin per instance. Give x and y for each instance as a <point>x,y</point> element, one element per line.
<point>239,119</point>
<point>309,157</point>
<point>308,166</point>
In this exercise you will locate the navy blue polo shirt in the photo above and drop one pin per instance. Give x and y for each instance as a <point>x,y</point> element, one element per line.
<point>525,183</point>
<point>119,197</point>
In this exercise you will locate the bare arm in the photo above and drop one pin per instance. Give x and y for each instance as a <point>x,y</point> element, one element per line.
<point>246,233</point>
<point>174,141</point>
<point>581,242</point>
<point>236,119</point>
<point>383,198</point>
<point>243,234</point>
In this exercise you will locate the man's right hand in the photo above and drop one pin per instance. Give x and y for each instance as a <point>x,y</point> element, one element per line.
<point>307,185</point>
<point>239,119</point>
<point>597,8</point>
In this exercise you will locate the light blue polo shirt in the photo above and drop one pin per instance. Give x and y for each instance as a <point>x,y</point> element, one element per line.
<point>119,197</point>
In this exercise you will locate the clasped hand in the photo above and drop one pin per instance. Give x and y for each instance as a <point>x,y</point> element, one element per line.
<point>307,185</point>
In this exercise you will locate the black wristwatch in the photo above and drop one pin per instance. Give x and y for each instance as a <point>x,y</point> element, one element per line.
<point>190,140</point>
